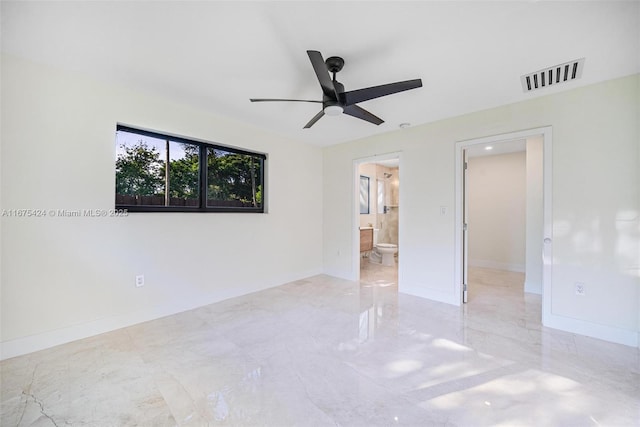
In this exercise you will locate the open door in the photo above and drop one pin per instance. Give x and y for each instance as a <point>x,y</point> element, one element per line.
<point>465,230</point>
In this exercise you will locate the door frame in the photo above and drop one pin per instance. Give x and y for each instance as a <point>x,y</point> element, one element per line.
<point>547,228</point>
<point>355,227</point>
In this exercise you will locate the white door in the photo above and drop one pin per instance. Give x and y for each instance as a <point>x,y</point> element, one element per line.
<point>465,230</point>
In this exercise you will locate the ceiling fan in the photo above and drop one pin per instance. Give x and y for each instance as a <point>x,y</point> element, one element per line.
<point>334,98</point>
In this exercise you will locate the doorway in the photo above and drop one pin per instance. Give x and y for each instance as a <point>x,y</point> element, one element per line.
<point>538,240</point>
<point>377,219</point>
<point>496,195</point>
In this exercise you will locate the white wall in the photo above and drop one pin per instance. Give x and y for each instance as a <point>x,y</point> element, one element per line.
<point>66,278</point>
<point>388,222</point>
<point>534,216</point>
<point>595,202</point>
<point>496,196</point>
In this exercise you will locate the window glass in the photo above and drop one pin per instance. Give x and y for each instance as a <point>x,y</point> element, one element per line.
<point>156,172</point>
<point>233,179</point>
<point>184,174</point>
<point>140,167</point>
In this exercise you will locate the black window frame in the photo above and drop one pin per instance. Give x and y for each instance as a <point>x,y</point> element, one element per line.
<point>202,169</point>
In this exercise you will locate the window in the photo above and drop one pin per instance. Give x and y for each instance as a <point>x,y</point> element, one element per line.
<point>364,194</point>
<point>159,173</point>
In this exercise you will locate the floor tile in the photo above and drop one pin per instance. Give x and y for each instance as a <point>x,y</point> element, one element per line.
<point>325,351</point>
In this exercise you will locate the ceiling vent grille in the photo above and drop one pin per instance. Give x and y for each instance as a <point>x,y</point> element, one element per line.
<point>552,76</point>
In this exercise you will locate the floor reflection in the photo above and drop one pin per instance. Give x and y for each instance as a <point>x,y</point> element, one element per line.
<point>378,299</point>
<point>327,351</point>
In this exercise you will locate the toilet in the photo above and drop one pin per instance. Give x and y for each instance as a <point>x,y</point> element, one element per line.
<point>383,253</point>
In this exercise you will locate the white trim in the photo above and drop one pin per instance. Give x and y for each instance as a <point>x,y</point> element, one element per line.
<point>29,344</point>
<point>547,208</point>
<point>422,291</point>
<point>346,275</point>
<point>496,265</point>
<point>532,288</point>
<point>355,209</point>
<point>547,223</point>
<point>594,330</point>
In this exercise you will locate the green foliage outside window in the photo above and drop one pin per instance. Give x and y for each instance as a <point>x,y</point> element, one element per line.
<point>233,179</point>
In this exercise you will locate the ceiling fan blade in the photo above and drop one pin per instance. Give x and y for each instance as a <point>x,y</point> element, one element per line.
<point>322,73</point>
<point>314,119</point>
<point>360,95</point>
<point>361,113</point>
<point>282,100</point>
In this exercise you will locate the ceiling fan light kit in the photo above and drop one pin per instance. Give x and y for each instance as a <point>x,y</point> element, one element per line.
<point>333,110</point>
<point>335,100</point>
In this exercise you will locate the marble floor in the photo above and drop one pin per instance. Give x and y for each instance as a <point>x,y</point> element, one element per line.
<point>325,352</point>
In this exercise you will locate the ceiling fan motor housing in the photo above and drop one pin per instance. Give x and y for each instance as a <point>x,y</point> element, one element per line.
<point>334,107</point>
<point>327,100</point>
<point>334,64</point>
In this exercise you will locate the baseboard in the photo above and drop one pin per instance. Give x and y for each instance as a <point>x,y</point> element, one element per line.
<point>37,342</point>
<point>496,265</point>
<point>429,293</point>
<point>593,330</point>
<point>532,288</point>
<point>340,274</point>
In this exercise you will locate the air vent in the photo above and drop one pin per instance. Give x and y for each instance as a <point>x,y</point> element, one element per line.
<point>553,75</point>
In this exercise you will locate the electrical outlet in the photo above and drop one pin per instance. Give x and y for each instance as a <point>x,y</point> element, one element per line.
<point>580,289</point>
<point>443,210</point>
<point>139,280</point>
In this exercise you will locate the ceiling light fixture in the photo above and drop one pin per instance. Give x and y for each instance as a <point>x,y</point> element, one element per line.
<point>333,110</point>
<point>404,125</point>
<point>488,148</point>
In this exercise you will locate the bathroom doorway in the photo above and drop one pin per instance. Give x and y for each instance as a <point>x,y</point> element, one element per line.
<point>377,219</point>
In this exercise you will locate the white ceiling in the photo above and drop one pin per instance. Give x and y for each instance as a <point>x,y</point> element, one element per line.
<point>497,148</point>
<point>390,163</point>
<point>216,55</point>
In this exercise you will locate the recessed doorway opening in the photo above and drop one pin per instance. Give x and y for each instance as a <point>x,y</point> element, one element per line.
<point>511,232</point>
<point>377,221</point>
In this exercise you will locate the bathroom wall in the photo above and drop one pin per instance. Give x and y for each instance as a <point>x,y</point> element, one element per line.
<point>387,222</point>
